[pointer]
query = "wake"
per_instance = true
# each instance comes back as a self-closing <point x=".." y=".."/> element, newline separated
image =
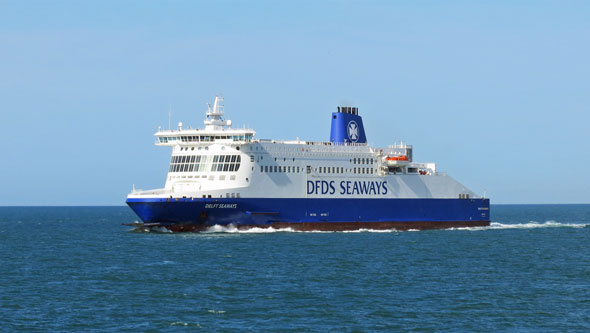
<point x="232" y="229"/>
<point x="530" y="225"/>
<point x="493" y="226"/>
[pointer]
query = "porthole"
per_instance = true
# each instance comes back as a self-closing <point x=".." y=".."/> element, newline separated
<point x="192" y="148"/>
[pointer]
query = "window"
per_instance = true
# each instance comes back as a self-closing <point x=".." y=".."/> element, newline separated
<point x="200" y="163"/>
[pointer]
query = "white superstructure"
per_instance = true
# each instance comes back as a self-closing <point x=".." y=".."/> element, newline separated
<point x="224" y="162"/>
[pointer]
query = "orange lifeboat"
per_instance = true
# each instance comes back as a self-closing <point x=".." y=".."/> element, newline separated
<point x="397" y="158"/>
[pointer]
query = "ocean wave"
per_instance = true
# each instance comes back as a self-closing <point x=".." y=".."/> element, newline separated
<point x="529" y="225"/>
<point x="160" y="230"/>
<point x="233" y="229"/>
<point x="365" y="230"/>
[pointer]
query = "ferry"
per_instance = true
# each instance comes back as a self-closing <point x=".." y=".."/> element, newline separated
<point x="225" y="176"/>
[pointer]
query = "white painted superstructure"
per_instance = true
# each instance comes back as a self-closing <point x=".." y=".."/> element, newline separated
<point x="224" y="162"/>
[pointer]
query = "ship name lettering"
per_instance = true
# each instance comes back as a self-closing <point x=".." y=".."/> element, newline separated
<point x="218" y="205"/>
<point x="347" y="187"/>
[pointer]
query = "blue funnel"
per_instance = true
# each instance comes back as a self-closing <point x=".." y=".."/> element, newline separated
<point x="347" y="126"/>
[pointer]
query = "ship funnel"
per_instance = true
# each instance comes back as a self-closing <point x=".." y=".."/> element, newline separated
<point x="347" y="126"/>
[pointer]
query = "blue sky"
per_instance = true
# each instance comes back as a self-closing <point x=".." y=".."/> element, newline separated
<point x="497" y="93"/>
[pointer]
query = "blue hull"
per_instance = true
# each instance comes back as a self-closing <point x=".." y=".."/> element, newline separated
<point x="185" y="214"/>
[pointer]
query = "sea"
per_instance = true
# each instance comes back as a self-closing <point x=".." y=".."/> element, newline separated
<point x="78" y="269"/>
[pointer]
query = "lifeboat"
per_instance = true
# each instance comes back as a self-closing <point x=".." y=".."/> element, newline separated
<point x="397" y="160"/>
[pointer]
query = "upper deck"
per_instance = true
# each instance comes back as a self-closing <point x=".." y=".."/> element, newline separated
<point x="219" y="131"/>
<point x="216" y="129"/>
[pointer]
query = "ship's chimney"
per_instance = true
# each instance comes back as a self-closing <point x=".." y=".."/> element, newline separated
<point x="347" y="126"/>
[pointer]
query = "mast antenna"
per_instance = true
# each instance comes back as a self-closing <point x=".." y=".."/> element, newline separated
<point x="169" y="115"/>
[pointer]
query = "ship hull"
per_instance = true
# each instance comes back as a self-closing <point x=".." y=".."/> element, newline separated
<point x="306" y="214"/>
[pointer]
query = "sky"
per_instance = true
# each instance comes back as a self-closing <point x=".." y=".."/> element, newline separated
<point x="497" y="93"/>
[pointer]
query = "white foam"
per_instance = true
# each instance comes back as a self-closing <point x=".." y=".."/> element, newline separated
<point x="530" y="225"/>
<point x="179" y="323"/>
<point x="367" y="230"/>
<point x="232" y="229"/>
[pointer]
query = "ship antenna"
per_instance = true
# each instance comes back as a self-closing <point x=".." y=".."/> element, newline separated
<point x="169" y="115"/>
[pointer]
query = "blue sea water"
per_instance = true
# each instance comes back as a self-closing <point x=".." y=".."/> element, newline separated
<point x="78" y="269"/>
